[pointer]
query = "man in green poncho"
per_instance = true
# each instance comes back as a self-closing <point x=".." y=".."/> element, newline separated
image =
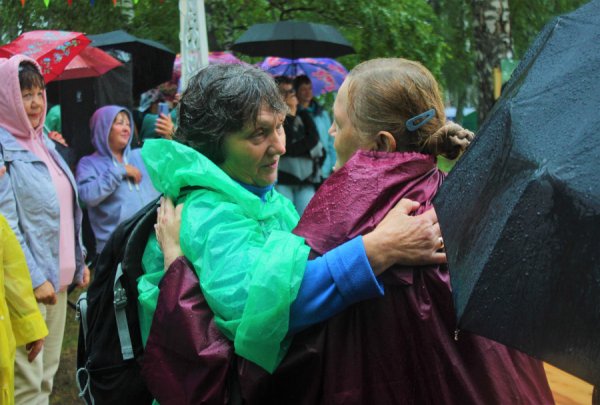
<point x="236" y="229"/>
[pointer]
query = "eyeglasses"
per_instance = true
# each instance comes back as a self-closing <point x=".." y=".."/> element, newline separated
<point x="287" y="93"/>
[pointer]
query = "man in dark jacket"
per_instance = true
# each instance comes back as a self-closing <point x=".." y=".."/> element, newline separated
<point x="300" y="167"/>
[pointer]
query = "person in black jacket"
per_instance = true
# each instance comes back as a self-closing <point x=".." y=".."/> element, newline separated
<point x="300" y="167"/>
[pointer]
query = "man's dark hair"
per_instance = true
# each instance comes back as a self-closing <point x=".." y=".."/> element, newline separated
<point x="284" y="80"/>
<point x="300" y="80"/>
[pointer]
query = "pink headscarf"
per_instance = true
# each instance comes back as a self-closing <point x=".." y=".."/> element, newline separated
<point x="13" y="117"/>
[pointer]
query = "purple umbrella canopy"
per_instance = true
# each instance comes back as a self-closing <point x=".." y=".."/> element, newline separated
<point x="326" y="74"/>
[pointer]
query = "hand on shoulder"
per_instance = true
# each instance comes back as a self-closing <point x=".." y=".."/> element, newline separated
<point x="404" y="239"/>
<point x="167" y="228"/>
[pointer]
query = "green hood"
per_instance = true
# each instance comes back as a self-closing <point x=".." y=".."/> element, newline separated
<point x="249" y="263"/>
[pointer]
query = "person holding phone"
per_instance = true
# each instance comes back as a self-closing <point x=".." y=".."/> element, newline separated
<point x="159" y="121"/>
<point x="165" y="126"/>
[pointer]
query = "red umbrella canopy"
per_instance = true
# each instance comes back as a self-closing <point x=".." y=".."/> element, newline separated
<point x="53" y="50"/>
<point x="91" y="62"/>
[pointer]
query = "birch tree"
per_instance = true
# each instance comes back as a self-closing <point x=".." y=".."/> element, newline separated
<point x="492" y="43"/>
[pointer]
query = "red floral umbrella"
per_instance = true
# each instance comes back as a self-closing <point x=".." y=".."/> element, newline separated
<point x="91" y="62"/>
<point x="53" y="50"/>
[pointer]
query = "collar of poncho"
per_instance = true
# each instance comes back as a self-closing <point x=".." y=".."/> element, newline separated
<point x="173" y="166"/>
<point x="355" y="198"/>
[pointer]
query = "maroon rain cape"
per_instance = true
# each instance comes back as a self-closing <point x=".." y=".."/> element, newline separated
<point x="399" y="349"/>
<point x="186" y="359"/>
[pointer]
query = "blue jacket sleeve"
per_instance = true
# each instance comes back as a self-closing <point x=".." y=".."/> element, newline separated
<point x="95" y="187"/>
<point x="331" y="283"/>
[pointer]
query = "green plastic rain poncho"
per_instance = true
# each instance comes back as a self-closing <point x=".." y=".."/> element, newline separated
<point x="249" y="263"/>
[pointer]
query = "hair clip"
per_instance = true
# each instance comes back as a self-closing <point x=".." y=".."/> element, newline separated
<point x="413" y="125"/>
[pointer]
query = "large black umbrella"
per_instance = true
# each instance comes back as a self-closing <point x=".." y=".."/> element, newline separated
<point x="520" y="213"/>
<point x="293" y="40"/>
<point x="152" y="61"/>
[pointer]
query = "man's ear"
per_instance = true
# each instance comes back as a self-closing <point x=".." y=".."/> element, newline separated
<point x="385" y="142"/>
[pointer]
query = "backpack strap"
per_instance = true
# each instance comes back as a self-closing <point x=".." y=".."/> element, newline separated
<point x="120" y="302"/>
<point x="81" y="314"/>
<point x="85" y="391"/>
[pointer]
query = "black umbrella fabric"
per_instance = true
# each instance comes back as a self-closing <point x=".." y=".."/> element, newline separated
<point x="152" y="61"/>
<point x="520" y="212"/>
<point x="293" y="40"/>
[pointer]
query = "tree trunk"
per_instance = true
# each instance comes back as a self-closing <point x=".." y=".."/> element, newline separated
<point x="491" y="32"/>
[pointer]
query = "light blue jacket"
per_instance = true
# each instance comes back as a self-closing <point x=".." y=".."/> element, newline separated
<point x="323" y="123"/>
<point x="29" y="202"/>
<point x="110" y="197"/>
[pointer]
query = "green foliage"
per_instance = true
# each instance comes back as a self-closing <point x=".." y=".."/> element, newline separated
<point x="459" y="66"/>
<point x="81" y="17"/>
<point x="157" y="21"/>
<point x="376" y="28"/>
<point x="404" y="29"/>
<point x="438" y="33"/>
<point x="528" y="17"/>
<point x="227" y="19"/>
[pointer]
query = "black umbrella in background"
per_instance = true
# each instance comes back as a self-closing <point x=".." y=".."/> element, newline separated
<point x="520" y="213"/>
<point x="152" y="61"/>
<point x="293" y="40"/>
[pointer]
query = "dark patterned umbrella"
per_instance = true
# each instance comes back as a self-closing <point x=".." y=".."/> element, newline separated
<point x="520" y="212"/>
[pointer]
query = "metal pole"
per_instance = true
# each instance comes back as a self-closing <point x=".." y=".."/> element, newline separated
<point x="193" y="38"/>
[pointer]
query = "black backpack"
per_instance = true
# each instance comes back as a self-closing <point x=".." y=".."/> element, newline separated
<point x="110" y="345"/>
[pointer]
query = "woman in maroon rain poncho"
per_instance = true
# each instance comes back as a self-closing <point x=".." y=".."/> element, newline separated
<point x="403" y="348"/>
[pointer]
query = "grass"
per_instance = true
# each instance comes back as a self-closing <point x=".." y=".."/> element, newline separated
<point x="65" y="389"/>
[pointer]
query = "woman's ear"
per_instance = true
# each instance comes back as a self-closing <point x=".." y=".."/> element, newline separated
<point x="385" y="142"/>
